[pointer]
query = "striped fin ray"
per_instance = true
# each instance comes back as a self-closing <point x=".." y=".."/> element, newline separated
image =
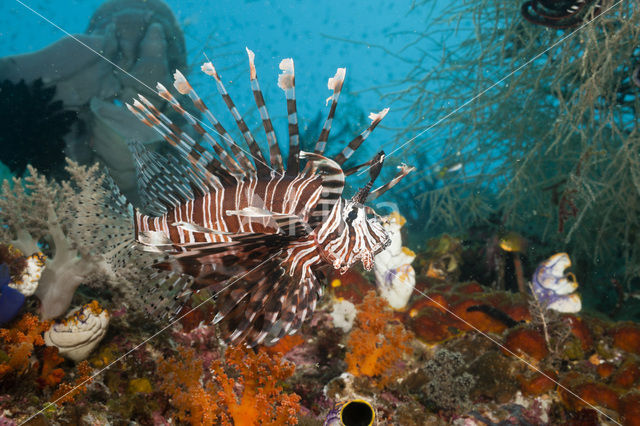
<point x="163" y="181"/>
<point x="183" y="87"/>
<point x="260" y="162"/>
<point x="287" y="82"/>
<point x="202" y="160"/>
<point x="357" y="141"/>
<point x="197" y="151"/>
<point x="164" y="292"/>
<point x="335" y="83"/>
<point x="274" y="150"/>
<point x="404" y="170"/>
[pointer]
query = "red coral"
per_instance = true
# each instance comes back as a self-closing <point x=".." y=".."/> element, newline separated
<point x="285" y="344"/>
<point x="539" y="383"/>
<point x="631" y="409"/>
<point x="376" y="344"/>
<point x="351" y="286"/>
<point x="589" y="392"/>
<point x="252" y="396"/>
<point x="581" y="331"/>
<point x="627" y="375"/>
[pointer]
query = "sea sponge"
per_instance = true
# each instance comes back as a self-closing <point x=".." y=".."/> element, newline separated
<point x="626" y="336"/>
<point x="80" y="332"/>
<point x="448" y="388"/>
<point x="526" y="341"/>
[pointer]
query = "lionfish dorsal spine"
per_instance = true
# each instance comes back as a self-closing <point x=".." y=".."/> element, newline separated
<point x="261" y="165"/>
<point x="287" y="82"/>
<point x="274" y="150"/>
<point x="335" y="83"/>
<point x="348" y="151"/>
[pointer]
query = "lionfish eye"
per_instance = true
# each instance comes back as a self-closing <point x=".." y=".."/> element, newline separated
<point x="352" y="215"/>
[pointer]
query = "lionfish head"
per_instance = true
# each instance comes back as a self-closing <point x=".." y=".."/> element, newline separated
<point x="367" y="235"/>
<point x="359" y="235"/>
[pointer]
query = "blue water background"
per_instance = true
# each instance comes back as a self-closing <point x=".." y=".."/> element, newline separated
<point x="362" y="36"/>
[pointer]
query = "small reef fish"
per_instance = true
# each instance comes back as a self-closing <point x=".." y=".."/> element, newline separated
<point x="258" y="233"/>
<point x="443" y="172"/>
<point x="513" y="242"/>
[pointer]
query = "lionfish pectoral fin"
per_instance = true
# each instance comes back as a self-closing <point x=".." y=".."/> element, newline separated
<point x="154" y="238"/>
<point x="288" y="224"/>
<point x="250" y="212"/>
<point x="292" y="225"/>
<point x="192" y="227"/>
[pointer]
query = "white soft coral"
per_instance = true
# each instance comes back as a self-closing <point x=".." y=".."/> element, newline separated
<point x="36" y="210"/>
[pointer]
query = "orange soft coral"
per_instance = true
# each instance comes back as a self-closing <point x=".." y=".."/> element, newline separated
<point x="50" y="375"/>
<point x="376" y="344"/>
<point x="18" y="342"/>
<point x="67" y="392"/>
<point x="251" y="396"/>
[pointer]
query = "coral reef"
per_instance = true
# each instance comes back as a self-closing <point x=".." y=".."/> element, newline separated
<point x="82" y="231"/>
<point x="18" y="343"/>
<point x="447" y="388"/>
<point x="250" y="396"/>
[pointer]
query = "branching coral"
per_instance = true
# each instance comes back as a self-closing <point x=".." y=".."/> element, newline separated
<point x="68" y="391"/>
<point x="376" y="344"/>
<point x="252" y="395"/>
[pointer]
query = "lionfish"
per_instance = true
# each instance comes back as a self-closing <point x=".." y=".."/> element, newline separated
<point x="260" y="235"/>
